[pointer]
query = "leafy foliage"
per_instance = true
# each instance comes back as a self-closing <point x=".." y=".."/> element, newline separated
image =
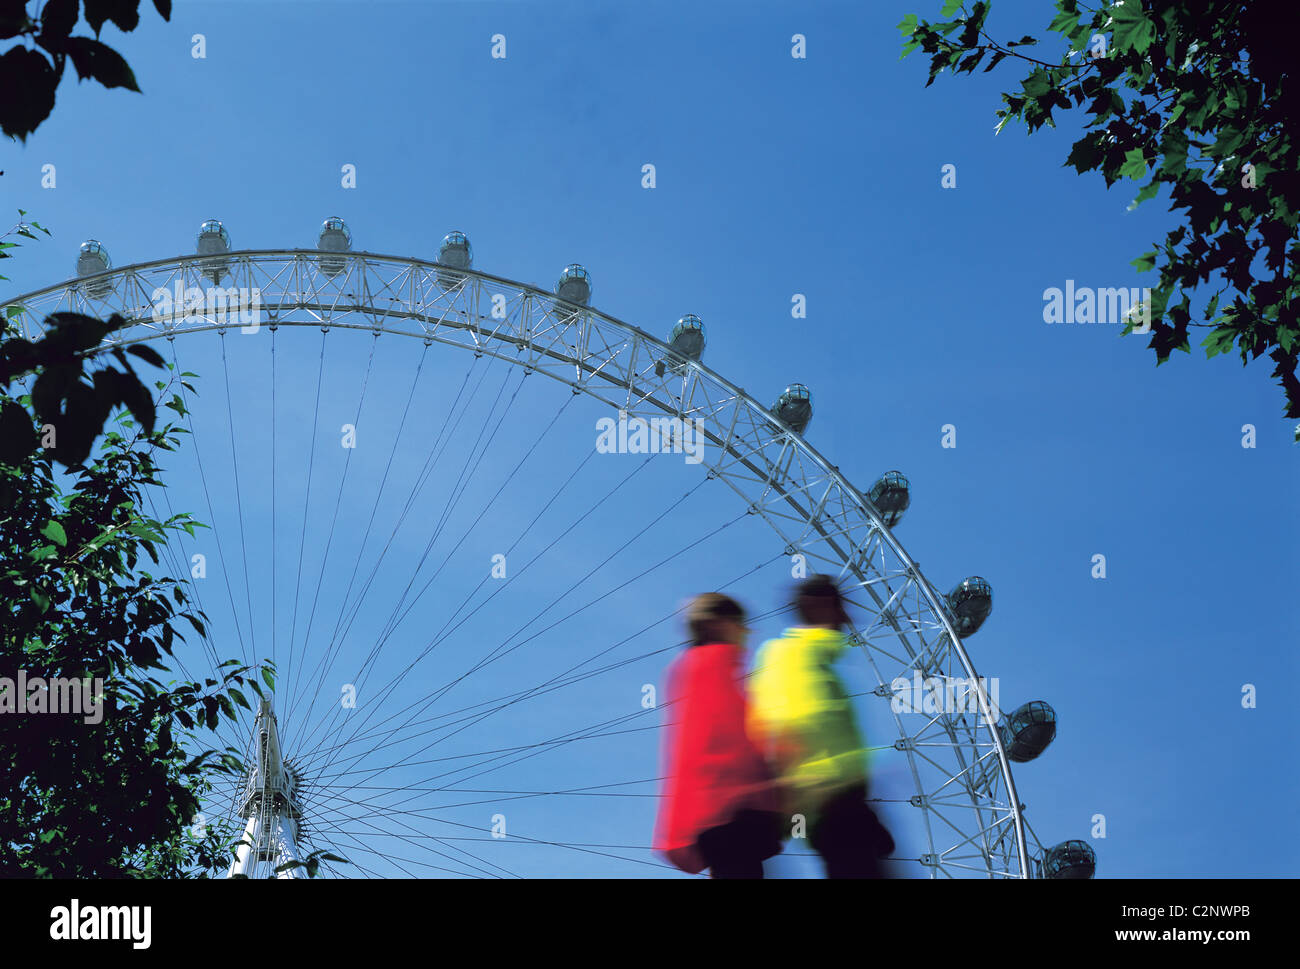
<point x="113" y="798"/>
<point x="1198" y="99"/>
<point x="29" y="77"/>
<point x="23" y="229"/>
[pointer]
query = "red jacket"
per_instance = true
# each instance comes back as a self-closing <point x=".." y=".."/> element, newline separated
<point x="711" y="768"/>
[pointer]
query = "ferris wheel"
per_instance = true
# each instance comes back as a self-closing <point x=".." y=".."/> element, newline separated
<point x="359" y="539"/>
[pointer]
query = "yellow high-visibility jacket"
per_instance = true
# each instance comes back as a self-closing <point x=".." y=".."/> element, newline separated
<point x="803" y="720"/>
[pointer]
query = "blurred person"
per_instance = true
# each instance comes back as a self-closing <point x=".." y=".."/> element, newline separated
<point x="803" y="720"/>
<point x="719" y="808"/>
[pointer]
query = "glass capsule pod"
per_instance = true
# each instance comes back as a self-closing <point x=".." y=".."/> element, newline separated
<point x="92" y="259"/>
<point x="574" y="285"/>
<point x="335" y="237"/>
<point x="892" y="496"/>
<point x="969" y="604"/>
<point x="794" y="407"/>
<point x="454" y="253"/>
<point x="213" y="243"/>
<point x="687" y="341"/>
<point x="1028" y="730"/>
<point x="1070" y="859"/>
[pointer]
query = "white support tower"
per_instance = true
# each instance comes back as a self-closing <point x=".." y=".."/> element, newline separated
<point x="269" y="804"/>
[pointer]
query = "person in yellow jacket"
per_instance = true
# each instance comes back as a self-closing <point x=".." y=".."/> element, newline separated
<point x="803" y="720"/>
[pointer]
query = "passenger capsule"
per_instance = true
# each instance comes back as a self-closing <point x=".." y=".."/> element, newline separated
<point x="214" y="242"/>
<point x="1070" y="859"/>
<point x="687" y="340"/>
<point x="794" y="407"/>
<point x="969" y="604"/>
<point x="92" y="259"/>
<point x="891" y="496"/>
<point x="334" y="237"/>
<point x="456" y="253"/>
<point x="1027" y="732"/>
<point x="574" y="285"/>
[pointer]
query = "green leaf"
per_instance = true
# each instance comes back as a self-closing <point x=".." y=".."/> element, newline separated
<point x="141" y="530"/>
<point x="1135" y="164"/>
<point x="1219" y="340"/>
<point x="1145" y="261"/>
<point x="1149" y="191"/>
<point x="1133" y="31"/>
<point x="1037" y="84"/>
<point x="55" y="533"/>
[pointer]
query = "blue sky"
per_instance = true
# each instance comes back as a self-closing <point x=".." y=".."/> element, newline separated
<point x="775" y="176"/>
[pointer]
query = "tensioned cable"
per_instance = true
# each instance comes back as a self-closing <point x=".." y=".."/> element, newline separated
<point x="216" y="532"/>
<point x="441" y="636"/>
<point x="546" y="687"/>
<point x="338" y="503"/>
<point x="409" y="839"/>
<point x="274" y="504"/>
<point x="373" y="512"/>
<point x="306" y="506"/>
<point x="435" y="452"/>
<point x="239" y="500"/>
<point x="452" y="499"/>
<point x="542" y="747"/>
<point x="558" y="844"/>
<point x="537" y="440"/>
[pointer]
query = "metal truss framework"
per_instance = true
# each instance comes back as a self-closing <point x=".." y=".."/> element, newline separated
<point x="973" y="820"/>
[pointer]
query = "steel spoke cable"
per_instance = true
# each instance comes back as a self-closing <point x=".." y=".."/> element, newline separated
<point x="216" y="532"/>
<point x="384" y="692"/>
<point x="585" y="733"/>
<point x="517" y="838"/>
<point x="551" y="683"/>
<point x="535" y="691"/>
<point x="239" y="498"/>
<point x="452" y="501"/>
<point x="500" y="655"/>
<point x="415" y="844"/>
<point x="392" y="859"/>
<point x="500" y="651"/>
<point x="306" y="507"/>
<point x="541" y="841"/>
<point x="545" y="687"/>
<point x="355" y="845"/>
<point x="536" y="442"/>
<point x="421" y="479"/>
<point x="542" y="747"/>
<point x="378" y="496"/>
<point x="338" y="503"/>
<point x="274" y="504"/>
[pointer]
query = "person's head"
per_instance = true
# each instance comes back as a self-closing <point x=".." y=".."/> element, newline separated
<point x="715" y="618"/>
<point x="818" y="602"/>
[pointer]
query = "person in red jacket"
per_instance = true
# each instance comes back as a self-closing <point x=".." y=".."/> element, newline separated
<point x="719" y="804"/>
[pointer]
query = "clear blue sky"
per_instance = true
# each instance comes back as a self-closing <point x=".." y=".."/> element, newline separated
<point x="775" y="176"/>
